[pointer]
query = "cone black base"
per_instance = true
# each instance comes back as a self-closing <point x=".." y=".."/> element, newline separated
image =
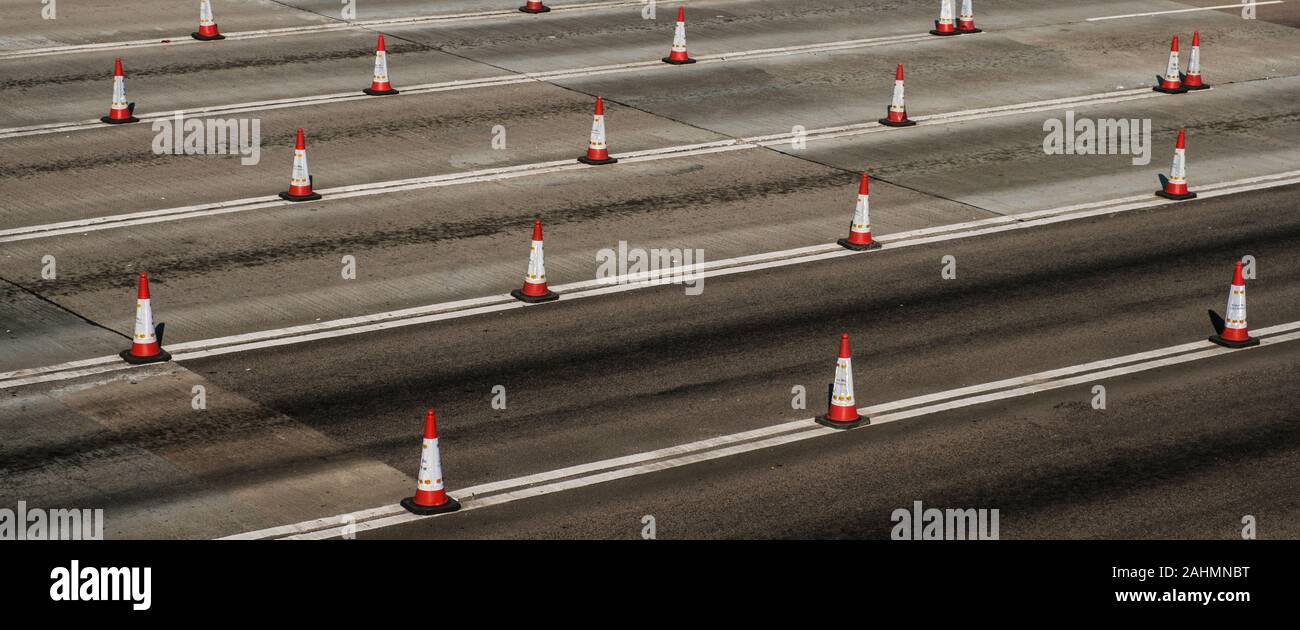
<point x="1183" y="197"/>
<point x="889" y="123"/>
<point x="287" y="197"/>
<point x="1193" y="88"/>
<point x="586" y="160"/>
<point x="1166" y="90"/>
<point x="374" y="92"/>
<point x="1250" y="341"/>
<point x="207" y="38"/>
<point x="544" y="9"/>
<point x="678" y="62"/>
<point x="118" y="121"/>
<point x="858" y="247"/>
<point x="969" y="31"/>
<point x="943" y="34"/>
<point x="162" y="356"/>
<point x="550" y="296"/>
<point x="424" y="510"/>
<point x="827" y="422"/>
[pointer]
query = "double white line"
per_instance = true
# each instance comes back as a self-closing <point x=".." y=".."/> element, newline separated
<point x="80" y="226"/>
<point x="592" y="288"/>
<point x="466" y="84"/>
<point x="572" y="477"/>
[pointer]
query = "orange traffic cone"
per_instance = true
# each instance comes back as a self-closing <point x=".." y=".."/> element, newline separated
<point x="207" y="25"/>
<point x="860" y="230"/>
<point x="1192" y="80"/>
<point x="145" y="347"/>
<point x="430" y="497"/>
<point x="1176" y="185"/>
<point x="379" y="85"/>
<point x="597" y="151"/>
<point x="843" y="411"/>
<point x="1234" y="333"/>
<point x="300" y="181"/>
<point x="534" y="6"/>
<point x="945" y="24"/>
<point x="1171" y="83"/>
<point x="966" y="19"/>
<point x="535" y="290"/>
<point x="120" y="111"/>
<point x="897" y="114"/>
<point x="677" y="54"/>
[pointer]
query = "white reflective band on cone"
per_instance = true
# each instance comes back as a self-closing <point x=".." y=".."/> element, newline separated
<point x="536" y="265"/>
<point x="861" y="218"/>
<point x="144" y="322"/>
<point x="430" y="466"/>
<point x="842" y="392"/>
<point x="598" y="132"/>
<point x="1235" y="317"/>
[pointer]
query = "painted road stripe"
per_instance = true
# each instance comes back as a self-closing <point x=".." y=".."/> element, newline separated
<point x="629" y="282"/>
<point x="1239" y="5"/>
<point x="465" y="84"/>
<point x="776" y="435"/>
<point x="308" y="30"/>
<point x="81" y="226"/>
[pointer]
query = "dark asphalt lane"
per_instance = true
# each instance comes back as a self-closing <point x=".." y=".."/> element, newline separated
<point x="636" y="371"/>
<point x="1178" y="453"/>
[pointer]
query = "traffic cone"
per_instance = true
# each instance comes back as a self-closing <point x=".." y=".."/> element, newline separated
<point x="966" y="19"/>
<point x="120" y="111"/>
<point x="1234" y="333"/>
<point x="897" y="114"/>
<point x="1176" y="185"/>
<point x="430" y="497"/>
<point x="379" y="85"/>
<point x="534" y="6"/>
<point x="860" y="230"/>
<point x="1192" y="80"/>
<point x="144" y="340"/>
<point x="677" y="55"/>
<point x="535" y="290"/>
<point x="1171" y="83"/>
<point x="207" y="25"/>
<point x="597" y="152"/>
<point x="843" y="411"/>
<point x="945" y="25"/>
<point x="300" y="182"/>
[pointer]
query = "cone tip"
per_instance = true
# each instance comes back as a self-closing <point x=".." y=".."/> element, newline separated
<point x="1173" y="47"/>
<point x="600" y="106"/>
<point x="681" y="13"/>
<point x="430" y="425"/>
<point x="537" y="230"/>
<point x="864" y="184"/>
<point x="142" y="289"/>
<point x="1237" y="277"/>
<point x="381" y="42"/>
<point x="844" y="346"/>
<point x="898" y="73"/>
<point x="1182" y="139"/>
<point x="300" y="142"/>
<point x="1196" y="38"/>
<point x="117" y="67"/>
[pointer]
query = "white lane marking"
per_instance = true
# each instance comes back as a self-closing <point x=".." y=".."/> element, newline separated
<point x="185" y="39"/>
<point x="794" y="431"/>
<point x="464" y="84"/>
<point x="591" y="288"/>
<point x="81" y="226"/>
<point x="497" y="486"/>
<point x="1150" y="13"/>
